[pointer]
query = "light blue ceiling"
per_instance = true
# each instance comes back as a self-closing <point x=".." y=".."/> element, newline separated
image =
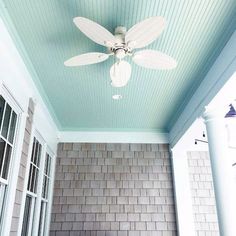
<point x="80" y="98"/>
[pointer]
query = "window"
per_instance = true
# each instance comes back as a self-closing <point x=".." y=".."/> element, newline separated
<point x="31" y="188"/>
<point x="46" y="177"/>
<point x="8" y="119"/>
<point x="44" y="201"/>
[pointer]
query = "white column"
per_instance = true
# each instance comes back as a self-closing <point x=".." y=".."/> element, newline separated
<point x="222" y="171"/>
<point x="183" y="197"/>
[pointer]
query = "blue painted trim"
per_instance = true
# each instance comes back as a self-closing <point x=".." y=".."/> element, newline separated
<point x="218" y="75"/>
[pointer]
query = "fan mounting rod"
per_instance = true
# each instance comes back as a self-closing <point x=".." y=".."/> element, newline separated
<point x="120" y="30"/>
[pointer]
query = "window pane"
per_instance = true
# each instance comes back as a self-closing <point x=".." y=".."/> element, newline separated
<point x="33" y="150"/>
<point x="26" y="219"/>
<point x="30" y="178"/>
<point x="2" y="148"/>
<point x="49" y="165"/>
<point x="2" y="104"/>
<point x="12" y="127"/>
<point x="39" y="154"/>
<point x="33" y="175"/>
<point x="36" y="180"/>
<point x="6" y="162"/>
<point x="33" y="179"/>
<point x="43" y="189"/>
<point x="2" y="197"/>
<point x="46" y="165"/>
<point x="42" y="218"/>
<point x="44" y="186"/>
<point x="6" y="121"/>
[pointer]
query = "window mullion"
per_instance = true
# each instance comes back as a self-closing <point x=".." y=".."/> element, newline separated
<point x="31" y="194"/>
<point x="3" y="181"/>
<point x="5" y="140"/>
<point x="9" y="126"/>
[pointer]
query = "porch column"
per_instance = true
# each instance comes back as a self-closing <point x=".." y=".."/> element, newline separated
<point x="222" y="171"/>
<point x="183" y="197"/>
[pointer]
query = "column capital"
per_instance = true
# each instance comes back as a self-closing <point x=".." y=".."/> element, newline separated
<point x="211" y="113"/>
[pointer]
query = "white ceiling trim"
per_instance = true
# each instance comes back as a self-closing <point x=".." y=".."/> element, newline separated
<point x="113" y="137"/>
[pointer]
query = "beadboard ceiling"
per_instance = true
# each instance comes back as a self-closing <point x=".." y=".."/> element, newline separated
<point x="80" y="98"/>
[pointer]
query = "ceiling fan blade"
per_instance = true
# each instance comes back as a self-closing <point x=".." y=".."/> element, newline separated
<point x="86" y="59"/>
<point x="154" y="60"/>
<point x="94" y="31"/>
<point x="145" y="32"/>
<point x="120" y="73"/>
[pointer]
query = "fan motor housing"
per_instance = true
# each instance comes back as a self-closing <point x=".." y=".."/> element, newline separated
<point x="120" y="49"/>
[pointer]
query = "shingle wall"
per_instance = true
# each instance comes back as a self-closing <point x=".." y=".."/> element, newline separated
<point x="113" y="190"/>
<point x="203" y="197"/>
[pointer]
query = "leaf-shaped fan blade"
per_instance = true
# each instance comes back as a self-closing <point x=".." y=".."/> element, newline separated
<point x="120" y="73"/>
<point x="86" y="59"/>
<point x="154" y="60"/>
<point x="94" y="31"/>
<point x="145" y="32"/>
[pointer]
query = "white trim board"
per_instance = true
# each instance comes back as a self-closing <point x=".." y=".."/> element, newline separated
<point x="113" y="137"/>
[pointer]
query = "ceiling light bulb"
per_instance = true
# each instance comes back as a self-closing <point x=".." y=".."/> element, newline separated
<point x="120" y="73"/>
<point x="120" y="53"/>
<point x="117" y="97"/>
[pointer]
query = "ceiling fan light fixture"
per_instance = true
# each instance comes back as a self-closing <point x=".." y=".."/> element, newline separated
<point x="117" y="97"/>
<point x="122" y="44"/>
<point x="120" y="73"/>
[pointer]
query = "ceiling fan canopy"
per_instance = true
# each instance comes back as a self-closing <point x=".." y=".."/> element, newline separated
<point x="122" y="44"/>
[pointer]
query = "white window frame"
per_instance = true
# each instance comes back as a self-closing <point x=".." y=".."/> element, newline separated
<point x="26" y="179"/>
<point x="50" y="192"/>
<point x="15" y="158"/>
<point x="48" y="200"/>
<point x="35" y="196"/>
<point x="35" y="216"/>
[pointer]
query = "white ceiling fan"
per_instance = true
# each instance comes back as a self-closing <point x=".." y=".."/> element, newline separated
<point x="123" y="44"/>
